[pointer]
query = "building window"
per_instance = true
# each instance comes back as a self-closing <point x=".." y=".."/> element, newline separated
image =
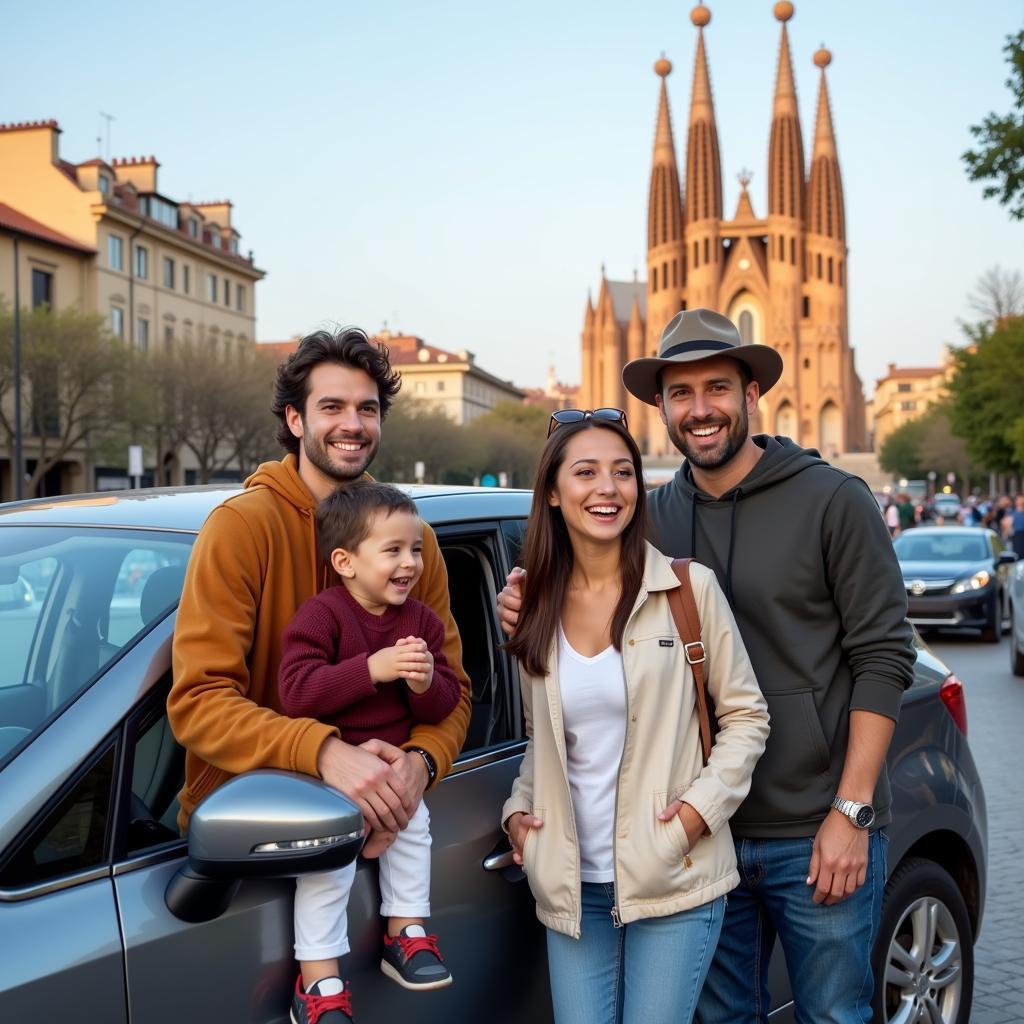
<point x="186" y="278"/>
<point x="193" y="227"/>
<point x="215" y="240"/>
<point x="908" y="406"/>
<point x="142" y="333"/>
<point x="240" y="298"/>
<point x="211" y="287"/>
<point x="746" y="327"/>
<point x="104" y="185"/>
<point x="234" y="245"/>
<point x="159" y="210"/>
<point x="675" y="273"/>
<point x="819" y="266"/>
<point x="807" y="364"/>
<point x="227" y="292"/>
<point x="696" y="255"/>
<point x="168" y="336"/>
<point x="830" y="270"/>
<point x="168" y="272"/>
<point x="440" y="385"/>
<point x="117" y="321"/>
<point x="840" y="273"/>
<point x="807" y="307"/>
<point x="654" y="279"/>
<point x="42" y="289"/>
<point x="904" y="387"/>
<point x="792" y="251"/>
<point x="141" y="262"/>
<point x="115" y="252"/>
<point x="707" y="250"/>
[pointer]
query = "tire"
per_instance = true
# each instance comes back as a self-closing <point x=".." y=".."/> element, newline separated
<point x="1016" y="654"/>
<point x="941" y="981"/>
<point x="994" y="630"/>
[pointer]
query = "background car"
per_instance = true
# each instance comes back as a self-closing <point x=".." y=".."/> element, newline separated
<point x="102" y="903"/>
<point x="947" y="506"/>
<point x="956" y="578"/>
<point x="1016" y="600"/>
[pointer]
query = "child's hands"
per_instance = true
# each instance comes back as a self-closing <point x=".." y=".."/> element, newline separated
<point x="409" y="659"/>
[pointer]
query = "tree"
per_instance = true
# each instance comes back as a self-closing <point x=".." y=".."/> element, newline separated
<point x="901" y="451"/>
<point x="509" y="439"/>
<point x="72" y="370"/>
<point x="986" y="408"/>
<point x="415" y="433"/>
<point x="998" y="294"/>
<point x="1000" y="156"/>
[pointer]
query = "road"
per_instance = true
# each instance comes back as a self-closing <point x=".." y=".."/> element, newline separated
<point x="995" y="729"/>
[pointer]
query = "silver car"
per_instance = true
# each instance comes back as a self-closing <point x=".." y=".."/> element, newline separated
<point x="108" y="915"/>
<point x="1015" y="593"/>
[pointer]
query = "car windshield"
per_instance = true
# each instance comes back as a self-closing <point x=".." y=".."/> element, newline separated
<point x="70" y="601"/>
<point x="949" y="547"/>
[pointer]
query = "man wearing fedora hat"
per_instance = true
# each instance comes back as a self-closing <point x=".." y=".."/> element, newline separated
<point x="807" y="564"/>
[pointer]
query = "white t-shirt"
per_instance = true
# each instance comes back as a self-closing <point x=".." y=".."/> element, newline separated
<point x="593" y="694"/>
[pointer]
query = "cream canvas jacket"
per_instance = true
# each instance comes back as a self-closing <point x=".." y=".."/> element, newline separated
<point x="656" y="871"/>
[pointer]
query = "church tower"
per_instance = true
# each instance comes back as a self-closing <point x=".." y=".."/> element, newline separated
<point x="781" y="278"/>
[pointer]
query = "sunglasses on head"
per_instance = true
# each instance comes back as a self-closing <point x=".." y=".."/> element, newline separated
<point x="563" y="416"/>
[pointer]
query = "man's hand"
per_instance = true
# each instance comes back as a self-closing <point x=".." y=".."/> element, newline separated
<point x="377" y="842"/>
<point x="408" y="657"/>
<point x="839" y="859"/>
<point x="410" y="769"/>
<point x="368" y="776"/>
<point x="519" y="825"/>
<point x="689" y="817"/>
<point x="510" y="601"/>
<point x="417" y="653"/>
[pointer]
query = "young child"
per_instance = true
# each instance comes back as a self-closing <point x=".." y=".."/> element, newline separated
<point x="365" y="657"/>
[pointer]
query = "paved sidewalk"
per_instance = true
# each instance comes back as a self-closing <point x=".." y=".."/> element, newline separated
<point x="995" y="717"/>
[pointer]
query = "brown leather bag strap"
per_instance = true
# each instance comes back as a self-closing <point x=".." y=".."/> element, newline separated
<point x="687" y="619"/>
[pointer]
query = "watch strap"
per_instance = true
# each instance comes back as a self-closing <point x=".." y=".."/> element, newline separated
<point x="429" y="762"/>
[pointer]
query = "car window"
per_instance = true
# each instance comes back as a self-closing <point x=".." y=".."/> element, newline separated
<point x="75" y="599"/>
<point x="72" y="836"/>
<point x="952" y="547"/>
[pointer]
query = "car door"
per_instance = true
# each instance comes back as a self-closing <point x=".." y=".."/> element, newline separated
<point x="482" y="909"/>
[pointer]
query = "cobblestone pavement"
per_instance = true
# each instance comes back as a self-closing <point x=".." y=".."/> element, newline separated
<point x="995" y="728"/>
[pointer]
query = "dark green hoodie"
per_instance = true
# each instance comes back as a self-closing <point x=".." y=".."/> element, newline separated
<point x="804" y="557"/>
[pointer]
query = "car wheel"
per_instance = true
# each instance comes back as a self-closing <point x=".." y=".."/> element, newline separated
<point x="1016" y="654"/>
<point x="994" y="630"/>
<point x="924" y="955"/>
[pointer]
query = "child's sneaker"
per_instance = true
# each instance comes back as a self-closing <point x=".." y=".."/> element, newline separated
<point x="414" y="961"/>
<point x="326" y="1002"/>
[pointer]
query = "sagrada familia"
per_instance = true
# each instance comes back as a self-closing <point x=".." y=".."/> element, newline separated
<point x="782" y="278"/>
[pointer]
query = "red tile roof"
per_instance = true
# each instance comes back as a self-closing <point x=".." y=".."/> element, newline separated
<point x="22" y="224"/>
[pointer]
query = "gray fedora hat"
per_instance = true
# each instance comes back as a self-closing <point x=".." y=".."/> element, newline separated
<point x="691" y="336"/>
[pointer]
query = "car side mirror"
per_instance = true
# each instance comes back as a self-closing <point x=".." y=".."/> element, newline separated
<point x="1007" y="557"/>
<point x="264" y="823"/>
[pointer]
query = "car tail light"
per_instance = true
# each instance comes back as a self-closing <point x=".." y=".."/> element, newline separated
<point x="952" y="693"/>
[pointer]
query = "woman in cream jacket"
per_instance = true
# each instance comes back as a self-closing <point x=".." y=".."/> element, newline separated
<point x="621" y="828"/>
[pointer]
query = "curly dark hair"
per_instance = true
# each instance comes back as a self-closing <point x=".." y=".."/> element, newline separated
<point x="347" y="346"/>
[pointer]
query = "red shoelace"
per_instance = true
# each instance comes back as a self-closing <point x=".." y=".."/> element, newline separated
<point x="317" y="1006"/>
<point x="413" y="944"/>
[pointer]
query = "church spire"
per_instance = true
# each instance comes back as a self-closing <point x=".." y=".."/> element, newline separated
<point x="786" y="148"/>
<point x="703" y="161"/>
<point x="664" y="206"/>
<point x="825" y="213"/>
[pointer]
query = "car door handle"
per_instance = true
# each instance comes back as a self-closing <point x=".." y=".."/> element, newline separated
<point x="499" y="861"/>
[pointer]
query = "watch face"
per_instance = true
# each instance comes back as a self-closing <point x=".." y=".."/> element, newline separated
<point x="864" y="817"/>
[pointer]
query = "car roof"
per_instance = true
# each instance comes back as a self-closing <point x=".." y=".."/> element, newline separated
<point x="186" y="508"/>
<point x="981" y="531"/>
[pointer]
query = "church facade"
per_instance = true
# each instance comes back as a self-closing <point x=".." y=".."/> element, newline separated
<point x="782" y="277"/>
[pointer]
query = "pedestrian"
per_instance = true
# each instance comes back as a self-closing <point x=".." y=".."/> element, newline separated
<point x="621" y="826"/>
<point x="892" y="517"/>
<point x="907" y="513"/>
<point x="253" y="564"/>
<point x="811" y="576"/>
<point x="1015" y="530"/>
<point x="366" y="658"/>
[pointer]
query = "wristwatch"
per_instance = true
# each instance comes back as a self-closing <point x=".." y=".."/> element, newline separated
<point x="862" y="815"/>
<point x="429" y="761"/>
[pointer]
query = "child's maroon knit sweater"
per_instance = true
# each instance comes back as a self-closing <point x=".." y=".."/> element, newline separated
<point x="324" y="674"/>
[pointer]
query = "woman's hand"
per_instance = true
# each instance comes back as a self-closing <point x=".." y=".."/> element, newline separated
<point x="693" y="824"/>
<point x="519" y="825"/>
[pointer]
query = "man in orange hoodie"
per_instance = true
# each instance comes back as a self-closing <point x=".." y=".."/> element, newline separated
<point x="255" y="561"/>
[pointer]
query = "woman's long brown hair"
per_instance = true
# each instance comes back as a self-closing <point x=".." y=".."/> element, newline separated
<point x="548" y="554"/>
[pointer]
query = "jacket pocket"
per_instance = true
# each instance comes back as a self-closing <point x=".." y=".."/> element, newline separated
<point x="530" y="842"/>
<point x="674" y="840"/>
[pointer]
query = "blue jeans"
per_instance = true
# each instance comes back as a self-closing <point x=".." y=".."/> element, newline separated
<point x="827" y="949"/>
<point x="646" y="972"/>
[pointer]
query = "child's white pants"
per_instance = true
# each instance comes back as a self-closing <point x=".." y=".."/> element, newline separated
<point x="321" y="900"/>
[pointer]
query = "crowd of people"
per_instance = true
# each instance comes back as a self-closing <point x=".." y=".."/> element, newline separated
<point x="708" y="697"/>
<point x="1003" y="514"/>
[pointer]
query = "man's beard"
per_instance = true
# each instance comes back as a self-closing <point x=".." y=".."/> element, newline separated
<point x="735" y="435"/>
<point x="318" y="454"/>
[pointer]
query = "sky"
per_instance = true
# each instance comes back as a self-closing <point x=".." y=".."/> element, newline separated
<point x="461" y="170"/>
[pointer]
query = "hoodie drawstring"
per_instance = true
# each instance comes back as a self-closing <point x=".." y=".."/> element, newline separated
<point x="732" y="539"/>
